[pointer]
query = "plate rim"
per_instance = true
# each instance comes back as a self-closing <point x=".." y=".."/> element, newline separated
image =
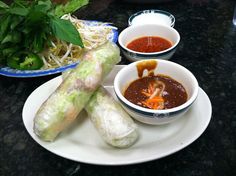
<point x="131" y="161"/>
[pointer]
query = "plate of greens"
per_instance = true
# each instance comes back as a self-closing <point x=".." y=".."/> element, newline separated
<point x="37" y="39"/>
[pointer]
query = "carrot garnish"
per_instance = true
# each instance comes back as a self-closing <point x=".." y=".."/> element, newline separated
<point x="154" y="103"/>
<point x="154" y="94"/>
<point x="155" y="100"/>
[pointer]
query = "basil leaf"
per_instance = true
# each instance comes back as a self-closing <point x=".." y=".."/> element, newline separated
<point x="39" y="42"/>
<point x="3" y="5"/>
<point x="16" y="20"/>
<point x="44" y="5"/>
<point x="4" y="27"/>
<point x="69" y="7"/>
<point x="30" y="26"/>
<point x="14" y="37"/>
<point x="2" y="11"/>
<point x="65" y="30"/>
<point x="10" y="50"/>
<point x="34" y="17"/>
<point x="19" y="11"/>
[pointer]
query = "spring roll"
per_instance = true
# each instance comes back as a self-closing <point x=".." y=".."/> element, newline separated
<point x="113" y="124"/>
<point x="63" y="106"/>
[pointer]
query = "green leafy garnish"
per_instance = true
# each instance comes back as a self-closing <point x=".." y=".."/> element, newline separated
<point x="69" y="7"/>
<point x="64" y="31"/>
<point x="29" y="26"/>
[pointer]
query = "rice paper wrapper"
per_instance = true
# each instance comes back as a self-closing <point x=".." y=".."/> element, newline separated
<point x="113" y="124"/>
<point x="64" y="105"/>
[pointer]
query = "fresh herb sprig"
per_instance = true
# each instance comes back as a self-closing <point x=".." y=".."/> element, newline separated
<point x="29" y="27"/>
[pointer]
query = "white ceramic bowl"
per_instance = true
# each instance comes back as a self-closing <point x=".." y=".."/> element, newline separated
<point x="152" y="16"/>
<point x="135" y="31"/>
<point x="179" y="73"/>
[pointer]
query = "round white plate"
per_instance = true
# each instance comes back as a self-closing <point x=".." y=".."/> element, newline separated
<point x="82" y="142"/>
<point x="10" y="72"/>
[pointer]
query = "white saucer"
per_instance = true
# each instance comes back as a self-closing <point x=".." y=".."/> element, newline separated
<point x="82" y="142"/>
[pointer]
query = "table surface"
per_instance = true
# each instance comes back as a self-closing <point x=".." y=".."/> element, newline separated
<point x="207" y="48"/>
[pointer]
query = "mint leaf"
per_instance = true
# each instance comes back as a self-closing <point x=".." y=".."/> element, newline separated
<point x="66" y="31"/>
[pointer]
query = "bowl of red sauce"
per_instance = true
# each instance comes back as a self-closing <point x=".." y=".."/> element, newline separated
<point x="148" y="41"/>
<point x="156" y="91"/>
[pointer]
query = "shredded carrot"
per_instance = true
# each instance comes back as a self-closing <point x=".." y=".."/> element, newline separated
<point x="153" y="101"/>
<point x="155" y="106"/>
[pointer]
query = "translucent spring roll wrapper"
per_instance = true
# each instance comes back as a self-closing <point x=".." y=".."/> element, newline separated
<point x="63" y="106"/>
<point x="113" y="124"/>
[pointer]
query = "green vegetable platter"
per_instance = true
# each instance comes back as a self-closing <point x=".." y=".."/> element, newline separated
<point x="29" y="29"/>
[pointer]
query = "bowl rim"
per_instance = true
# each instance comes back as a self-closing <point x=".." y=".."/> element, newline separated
<point x="146" y="110"/>
<point x="147" y="11"/>
<point x="152" y="53"/>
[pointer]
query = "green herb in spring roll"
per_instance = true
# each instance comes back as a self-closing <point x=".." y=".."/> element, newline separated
<point x="114" y="125"/>
<point x="63" y="106"/>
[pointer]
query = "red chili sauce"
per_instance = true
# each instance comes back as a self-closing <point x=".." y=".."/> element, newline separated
<point x="149" y="44"/>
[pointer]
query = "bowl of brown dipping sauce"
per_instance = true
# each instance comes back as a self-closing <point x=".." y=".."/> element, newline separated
<point x="148" y="41"/>
<point x="155" y="91"/>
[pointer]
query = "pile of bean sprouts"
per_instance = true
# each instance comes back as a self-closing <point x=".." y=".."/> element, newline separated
<point x="63" y="53"/>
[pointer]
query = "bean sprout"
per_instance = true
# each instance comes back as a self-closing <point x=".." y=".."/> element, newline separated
<point x="62" y="53"/>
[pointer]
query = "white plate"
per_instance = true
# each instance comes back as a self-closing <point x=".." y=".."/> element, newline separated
<point x="82" y="142"/>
